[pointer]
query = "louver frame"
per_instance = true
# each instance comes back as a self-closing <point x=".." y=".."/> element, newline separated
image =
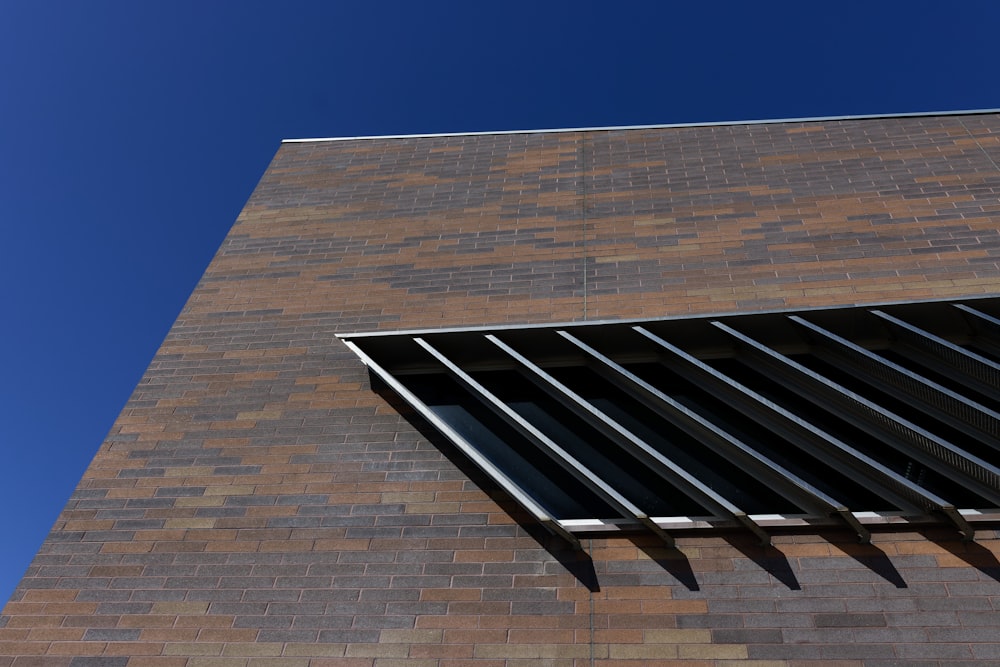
<point x="861" y="416"/>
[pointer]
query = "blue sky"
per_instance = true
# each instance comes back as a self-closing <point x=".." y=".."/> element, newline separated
<point x="132" y="133"/>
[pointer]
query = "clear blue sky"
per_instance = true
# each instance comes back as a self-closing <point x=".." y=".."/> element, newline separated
<point x="131" y="133"/>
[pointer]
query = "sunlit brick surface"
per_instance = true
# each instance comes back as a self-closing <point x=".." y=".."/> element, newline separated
<point x="256" y="504"/>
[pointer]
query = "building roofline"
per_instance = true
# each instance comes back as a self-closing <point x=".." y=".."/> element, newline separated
<point x="810" y="119"/>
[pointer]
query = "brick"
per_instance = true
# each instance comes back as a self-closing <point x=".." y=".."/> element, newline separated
<point x="410" y="636"/>
<point x="671" y="636"/>
<point x="849" y="620"/>
<point x="711" y="652"/>
<point x="642" y="651"/>
<point x="193" y="649"/>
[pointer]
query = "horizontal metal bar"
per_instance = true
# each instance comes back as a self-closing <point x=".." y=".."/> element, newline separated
<point x="511" y="488"/>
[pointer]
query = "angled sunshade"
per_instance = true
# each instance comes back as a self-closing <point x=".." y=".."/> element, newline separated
<point x="859" y="416"/>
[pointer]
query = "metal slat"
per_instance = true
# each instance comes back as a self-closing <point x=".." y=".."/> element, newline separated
<point x="785" y="482"/>
<point x="973" y="419"/>
<point x="546" y="445"/>
<point x="828" y="395"/>
<point x="946" y="357"/>
<point x="634" y="445"/>
<point x="929" y="449"/>
<point x="511" y="488"/>
<point x="986" y="327"/>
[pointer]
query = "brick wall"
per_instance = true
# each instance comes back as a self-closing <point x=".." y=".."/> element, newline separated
<point x="256" y="504"/>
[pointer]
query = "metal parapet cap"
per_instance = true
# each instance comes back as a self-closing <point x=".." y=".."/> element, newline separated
<point x="664" y="126"/>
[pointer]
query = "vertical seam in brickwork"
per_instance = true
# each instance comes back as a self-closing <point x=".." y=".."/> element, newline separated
<point x="583" y="214"/>
<point x="978" y="145"/>
<point x="590" y="595"/>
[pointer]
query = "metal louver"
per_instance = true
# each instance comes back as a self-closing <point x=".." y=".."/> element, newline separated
<point x="859" y="416"/>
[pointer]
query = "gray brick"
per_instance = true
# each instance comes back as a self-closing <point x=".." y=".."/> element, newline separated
<point x="838" y="590"/>
<point x="179" y="491"/>
<point x="152" y="595"/>
<point x="243" y="583"/>
<point x="416" y="608"/>
<point x="746" y="636"/>
<point x="936" y="651"/>
<point x="811" y="605"/>
<point x="533" y="607"/>
<point x="818" y="635"/>
<point x="116" y="608"/>
<point x="73" y="582"/>
<point x="90" y="621"/>
<point x="331" y="595"/>
<point x="941" y="574"/>
<point x="385" y="595"/>
<point x="101" y="661"/>
<point x="323" y="622"/>
<point x="384" y="621"/>
<point x="778" y="620"/>
<point x="710" y="621"/>
<point x="986" y="651"/>
<point x="313" y="582"/>
<point x="923" y="619"/>
<point x="974" y="589"/>
<point x="846" y="620"/>
<point x="238" y="608"/>
<point x="289" y="636"/>
<point x="189" y="583"/>
<point x="889" y="635"/>
<point x="296" y="608"/>
<point x="356" y="636"/>
<point x="752" y="607"/>
<point x="881" y="604"/>
<point x="507" y="593"/>
<point x="263" y="622"/>
<point x="954" y="604"/>
<point x="99" y="595"/>
<point x="980" y="635"/>
<point x="979" y="618"/>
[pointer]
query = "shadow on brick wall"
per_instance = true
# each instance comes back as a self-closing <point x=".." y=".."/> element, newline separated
<point x="577" y="562"/>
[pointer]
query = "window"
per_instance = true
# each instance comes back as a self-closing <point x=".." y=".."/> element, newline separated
<point x="859" y="416"/>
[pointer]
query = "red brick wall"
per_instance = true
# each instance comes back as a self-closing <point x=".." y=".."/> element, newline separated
<point x="257" y="504"/>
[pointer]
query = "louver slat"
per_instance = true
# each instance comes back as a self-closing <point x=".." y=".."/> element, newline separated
<point x="947" y="358"/>
<point x="960" y="412"/>
<point x="787" y="483"/>
<point x="519" y="495"/>
<point x="828" y="394"/>
<point x="549" y="447"/>
<point x="742" y="399"/>
<point x="986" y="326"/>
<point x="635" y="446"/>
<point x="928" y="448"/>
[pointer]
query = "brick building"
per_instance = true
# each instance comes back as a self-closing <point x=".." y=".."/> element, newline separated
<point x="264" y="499"/>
